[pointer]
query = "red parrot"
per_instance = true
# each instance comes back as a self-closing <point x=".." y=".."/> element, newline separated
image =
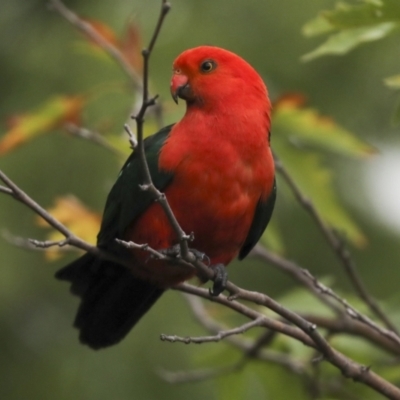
<point x="216" y="169"/>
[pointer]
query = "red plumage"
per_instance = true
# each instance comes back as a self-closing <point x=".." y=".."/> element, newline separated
<point x="216" y="169"/>
<point x="221" y="160"/>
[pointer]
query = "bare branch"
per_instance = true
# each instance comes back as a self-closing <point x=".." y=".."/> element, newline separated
<point x="307" y="331"/>
<point x="132" y="139"/>
<point x="148" y="184"/>
<point x="322" y="292"/>
<point x="296" y="272"/>
<point x="30" y="244"/>
<point x="288" y="322"/>
<point x="251" y="348"/>
<point x="178" y="262"/>
<point x="338" y="247"/>
<point x="215" y="338"/>
<point x="355" y="328"/>
<point x="107" y="46"/>
<point x="6" y="190"/>
<point x="90" y="135"/>
<point x="48" y="243"/>
<point x="351" y="311"/>
<point x="71" y="239"/>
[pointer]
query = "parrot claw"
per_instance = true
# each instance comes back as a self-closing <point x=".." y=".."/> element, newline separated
<point x="175" y="252"/>
<point x="220" y="280"/>
<point x="200" y="255"/>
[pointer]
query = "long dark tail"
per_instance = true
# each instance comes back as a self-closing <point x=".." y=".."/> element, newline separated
<point x="113" y="300"/>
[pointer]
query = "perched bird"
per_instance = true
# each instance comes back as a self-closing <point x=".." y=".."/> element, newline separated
<point x="216" y="169"/>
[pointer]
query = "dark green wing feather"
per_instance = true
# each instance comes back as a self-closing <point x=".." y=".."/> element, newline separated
<point x="260" y="221"/>
<point x="126" y="200"/>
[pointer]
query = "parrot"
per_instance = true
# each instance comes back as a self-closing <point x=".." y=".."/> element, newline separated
<point x="216" y="169"/>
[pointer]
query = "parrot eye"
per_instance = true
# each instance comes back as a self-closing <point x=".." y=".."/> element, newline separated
<point x="208" y="66"/>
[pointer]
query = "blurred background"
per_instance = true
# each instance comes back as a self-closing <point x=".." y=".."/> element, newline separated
<point x="40" y="57"/>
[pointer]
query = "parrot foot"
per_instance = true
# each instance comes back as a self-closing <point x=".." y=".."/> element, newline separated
<point x="220" y="273"/>
<point x="220" y="279"/>
<point x="175" y="252"/>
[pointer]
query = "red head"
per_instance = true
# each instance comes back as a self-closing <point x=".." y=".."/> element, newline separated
<point x="211" y="77"/>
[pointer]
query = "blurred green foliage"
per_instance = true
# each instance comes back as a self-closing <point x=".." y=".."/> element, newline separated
<point x="42" y="56"/>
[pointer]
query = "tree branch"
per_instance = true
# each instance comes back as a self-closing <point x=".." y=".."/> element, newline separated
<point x="70" y="239"/>
<point x="92" y="136"/>
<point x="107" y="46"/>
<point x="214" y="338"/>
<point x="295" y="272"/>
<point x="307" y="331"/>
<point x="292" y="325"/>
<point x="338" y="247"/>
<point x="148" y="184"/>
<point x="323" y="292"/>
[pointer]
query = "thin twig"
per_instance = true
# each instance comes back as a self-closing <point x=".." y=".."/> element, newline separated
<point x="296" y="272"/>
<point x="352" y="311"/>
<point x="297" y="327"/>
<point x="214" y="338"/>
<point x="92" y="136"/>
<point x="322" y="291"/>
<point x="132" y="139"/>
<point x="31" y="244"/>
<point x="251" y="348"/>
<point x="6" y="190"/>
<point x="338" y="247"/>
<point x="355" y="328"/>
<point x="107" y="46"/>
<point x="148" y="184"/>
<point x="306" y="332"/>
<point x="71" y="239"/>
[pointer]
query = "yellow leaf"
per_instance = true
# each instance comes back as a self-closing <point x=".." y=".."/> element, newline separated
<point x="131" y="46"/>
<point x="393" y="82"/>
<point x="315" y="182"/>
<point x="103" y="30"/>
<point x="49" y="116"/>
<point x="76" y="217"/>
<point x="305" y="126"/>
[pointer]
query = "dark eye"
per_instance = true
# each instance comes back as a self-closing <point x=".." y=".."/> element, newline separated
<point x="208" y="66"/>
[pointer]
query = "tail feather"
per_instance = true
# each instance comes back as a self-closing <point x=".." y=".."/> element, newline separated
<point x="113" y="300"/>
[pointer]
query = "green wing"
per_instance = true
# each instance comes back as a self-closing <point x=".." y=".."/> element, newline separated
<point x="126" y="200"/>
<point x="260" y="221"/>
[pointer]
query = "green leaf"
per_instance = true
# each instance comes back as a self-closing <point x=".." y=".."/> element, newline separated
<point x="315" y="182"/>
<point x="351" y="25"/>
<point x="47" y="117"/>
<point x="393" y="82"/>
<point x="346" y="16"/>
<point x="295" y="129"/>
<point x="302" y="301"/>
<point x="346" y="40"/>
<point x="317" y="26"/>
<point x="305" y="127"/>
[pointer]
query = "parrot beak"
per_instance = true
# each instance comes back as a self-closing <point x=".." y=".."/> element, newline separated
<point x="180" y="88"/>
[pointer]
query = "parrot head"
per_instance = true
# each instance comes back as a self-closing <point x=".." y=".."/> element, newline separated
<point x="209" y="76"/>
